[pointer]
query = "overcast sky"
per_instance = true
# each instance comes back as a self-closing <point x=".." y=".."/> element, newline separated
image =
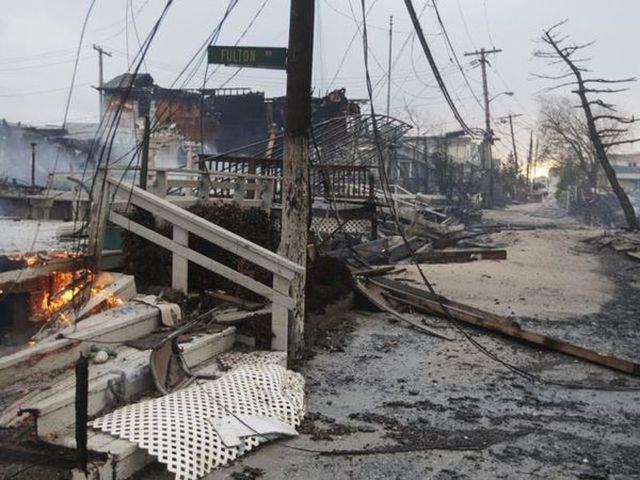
<point x="39" y="39"/>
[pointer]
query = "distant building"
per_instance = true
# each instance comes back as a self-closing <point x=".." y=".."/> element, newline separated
<point x="627" y="168"/>
<point x="419" y="163"/>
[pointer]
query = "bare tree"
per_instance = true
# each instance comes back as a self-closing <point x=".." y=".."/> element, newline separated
<point x="565" y="139"/>
<point x="561" y="51"/>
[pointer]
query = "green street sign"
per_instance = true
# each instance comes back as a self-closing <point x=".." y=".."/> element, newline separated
<point x="255" y="57"/>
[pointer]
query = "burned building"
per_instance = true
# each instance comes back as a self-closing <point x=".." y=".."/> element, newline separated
<point x="220" y="120"/>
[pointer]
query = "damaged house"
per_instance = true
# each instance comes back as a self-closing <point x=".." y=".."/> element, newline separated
<point x="434" y="164"/>
<point x="221" y="120"/>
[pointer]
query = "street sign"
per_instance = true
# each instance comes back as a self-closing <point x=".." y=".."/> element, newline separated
<point x="255" y="57"/>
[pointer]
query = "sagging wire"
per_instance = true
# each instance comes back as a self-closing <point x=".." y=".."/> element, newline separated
<point x="385" y="189"/>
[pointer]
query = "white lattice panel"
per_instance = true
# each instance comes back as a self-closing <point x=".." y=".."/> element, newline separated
<point x="176" y="428"/>
<point x="229" y="360"/>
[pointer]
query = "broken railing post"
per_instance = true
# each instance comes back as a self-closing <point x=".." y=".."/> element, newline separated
<point x="179" y="264"/>
<point x="372" y="206"/>
<point x="280" y="316"/>
<point x="204" y="185"/>
<point x="160" y="186"/>
<point x="82" y="405"/>
<point x="98" y="214"/>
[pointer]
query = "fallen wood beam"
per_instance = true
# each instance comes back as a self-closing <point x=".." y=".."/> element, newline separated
<point x="373" y="293"/>
<point x="373" y="272"/>
<point x="14" y="277"/>
<point x="235" y="301"/>
<point x="403" y="250"/>
<point x="460" y="256"/>
<point x="479" y="318"/>
<point x="634" y="255"/>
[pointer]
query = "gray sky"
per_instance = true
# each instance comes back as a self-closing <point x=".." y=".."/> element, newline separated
<point x="39" y="39"/>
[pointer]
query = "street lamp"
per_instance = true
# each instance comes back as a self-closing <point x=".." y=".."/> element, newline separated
<point x="509" y="94"/>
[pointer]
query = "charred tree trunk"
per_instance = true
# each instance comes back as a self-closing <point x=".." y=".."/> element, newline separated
<point x="564" y="54"/>
<point x="601" y="154"/>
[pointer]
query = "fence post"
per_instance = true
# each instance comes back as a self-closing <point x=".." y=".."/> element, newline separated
<point x="266" y="192"/>
<point x="160" y="187"/>
<point x="180" y="265"/>
<point x="239" y="191"/>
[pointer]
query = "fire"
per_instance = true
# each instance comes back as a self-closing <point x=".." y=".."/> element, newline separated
<point x="65" y="289"/>
<point x="60" y="299"/>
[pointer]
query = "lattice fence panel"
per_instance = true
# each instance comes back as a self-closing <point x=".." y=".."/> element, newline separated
<point x="176" y="428"/>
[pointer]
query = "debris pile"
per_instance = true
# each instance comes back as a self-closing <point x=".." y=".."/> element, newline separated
<point x="619" y="241"/>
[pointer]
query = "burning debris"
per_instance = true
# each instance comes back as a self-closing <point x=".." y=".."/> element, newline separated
<point x="43" y="292"/>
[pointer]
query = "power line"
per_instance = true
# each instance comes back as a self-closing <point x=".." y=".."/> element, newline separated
<point x="434" y="67"/>
<point x="453" y="52"/>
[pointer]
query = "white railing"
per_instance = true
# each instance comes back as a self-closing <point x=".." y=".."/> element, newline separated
<point x="245" y="189"/>
<point x="184" y="223"/>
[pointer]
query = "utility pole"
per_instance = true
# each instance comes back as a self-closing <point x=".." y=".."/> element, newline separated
<point x="33" y="164"/>
<point x="295" y="165"/>
<point x="529" y="158"/>
<point x="487" y="160"/>
<point x="101" y="52"/>
<point x="513" y="141"/>
<point x="389" y="65"/>
<point x="144" y="163"/>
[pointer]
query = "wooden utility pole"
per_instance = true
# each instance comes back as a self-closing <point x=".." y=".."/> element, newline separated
<point x="101" y="52"/>
<point x="389" y="65"/>
<point x="513" y="142"/>
<point x="487" y="160"/>
<point x="33" y="164"/>
<point x="295" y="168"/>
<point x="529" y="159"/>
<point x="144" y="162"/>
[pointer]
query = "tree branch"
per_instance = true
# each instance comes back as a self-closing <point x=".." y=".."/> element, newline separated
<point x="602" y="90"/>
<point x="604" y="80"/>
<point x="621" y="142"/>
<point x="615" y="118"/>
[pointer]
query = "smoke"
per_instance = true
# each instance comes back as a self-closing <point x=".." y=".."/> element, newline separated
<point x="15" y="156"/>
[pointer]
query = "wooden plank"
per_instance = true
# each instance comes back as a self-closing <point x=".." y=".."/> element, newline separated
<point x="403" y="250"/>
<point x="201" y="260"/>
<point x="374" y="294"/>
<point x="11" y="278"/>
<point x="234" y="318"/>
<point x="634" y="255"/>
<point x="211" y="232"/>
<point x="235" y="301"/>
<point x="373" y="272"/>
<point x="460" y="255"/>
<point x="505" y="326"/>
